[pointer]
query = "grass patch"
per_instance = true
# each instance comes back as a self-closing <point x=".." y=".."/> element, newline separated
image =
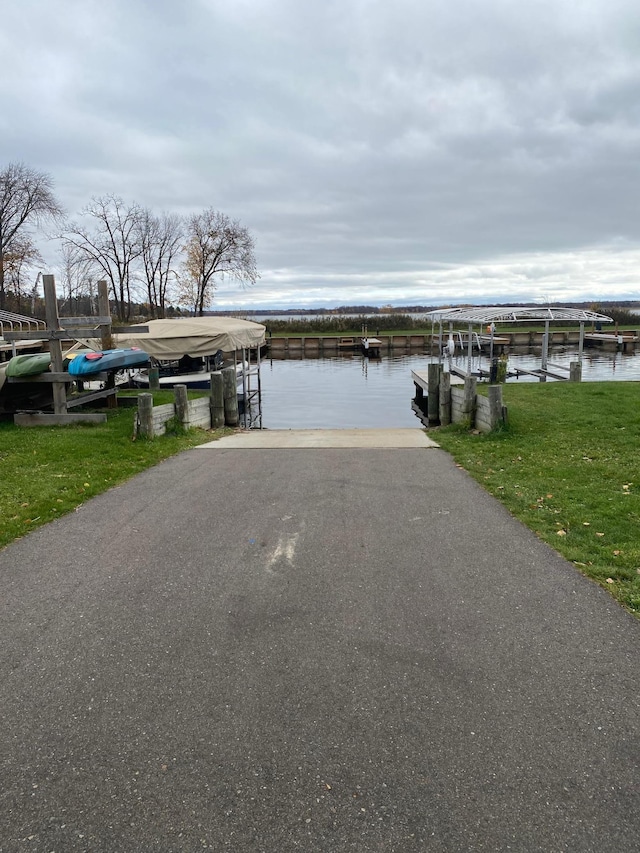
<point x="46" y="472"/>
<point x="568" y="466"/>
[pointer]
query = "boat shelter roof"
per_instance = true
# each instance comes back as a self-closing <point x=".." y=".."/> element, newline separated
<point x="515" y="314"/>
<point x="195" y="336"/>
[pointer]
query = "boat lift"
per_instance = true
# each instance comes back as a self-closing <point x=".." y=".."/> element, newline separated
<point x="10" y="323"/>
<point x="488" y="316"/>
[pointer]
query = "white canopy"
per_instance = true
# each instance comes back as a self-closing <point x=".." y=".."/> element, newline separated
<point x="195" y="336"/>
<point x="515" y="314"/>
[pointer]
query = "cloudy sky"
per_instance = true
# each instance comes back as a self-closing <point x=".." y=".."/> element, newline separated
<point x="411" y="152"/>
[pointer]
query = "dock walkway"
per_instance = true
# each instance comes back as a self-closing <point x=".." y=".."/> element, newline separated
<point x="313" y="649"/>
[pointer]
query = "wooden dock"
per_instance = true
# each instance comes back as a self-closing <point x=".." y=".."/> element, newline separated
<point x="458" y="375"/>
<point x="539" y="373"/>
<point x="371" y="347"/>
<point x="621" y="341"/>
<point x="421" y="379"/>
<point x="7" y="347"/>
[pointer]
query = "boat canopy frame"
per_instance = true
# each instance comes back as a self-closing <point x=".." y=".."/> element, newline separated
<point x="485" y="314"/>
<point x="489" y="315"/>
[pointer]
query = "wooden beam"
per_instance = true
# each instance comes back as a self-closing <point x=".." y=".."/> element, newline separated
<point x="38" y="419"/>
<point x="89" y="322"/>
<point x="43" y="335"/>
<point x="53" y="324"/>
<point x="105" y="311"/>
<point x="71" y="332"/>
<point x="102" y="394"/>
<point x="59" y="377"/>
<point x="67" y="334"/>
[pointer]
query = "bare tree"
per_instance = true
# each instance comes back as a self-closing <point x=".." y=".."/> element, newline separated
<point x="112" y="245"/>
<point x="77" y="277"/>
<point x="26" y="200"/>
<point x="21" y="257"/>
<point x="188" y="292"/>
<point x="161" y="241"/>
<point x="216" y="247"/>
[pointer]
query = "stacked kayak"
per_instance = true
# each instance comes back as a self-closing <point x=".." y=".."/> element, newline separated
<point x="28" y="365"/>
<point x="89" y="363"/>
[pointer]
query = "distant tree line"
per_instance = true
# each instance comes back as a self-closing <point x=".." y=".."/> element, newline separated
<point x="151" y="261"/>
<point x="359" y="310"/>
<point x="620" y="315"/>
<point x="340" y="323"/>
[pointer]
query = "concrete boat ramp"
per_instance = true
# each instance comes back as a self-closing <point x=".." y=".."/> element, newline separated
<point x="311" y="648"/>
<point x="309" y="438"/>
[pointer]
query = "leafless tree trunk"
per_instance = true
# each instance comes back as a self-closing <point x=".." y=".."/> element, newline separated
<point x="26" y="200"/>
<point x="161" y="240"/>
<point x="20" y="259"/>
<point x="216" y="247"/>
<point x="112" y="246"/>
<point x="77" y="277"/>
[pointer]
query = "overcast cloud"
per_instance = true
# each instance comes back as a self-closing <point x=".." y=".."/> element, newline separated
<point x="420" y="151"/>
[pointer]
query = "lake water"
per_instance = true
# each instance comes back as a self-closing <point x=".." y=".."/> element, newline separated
<point x="350" y="391"/>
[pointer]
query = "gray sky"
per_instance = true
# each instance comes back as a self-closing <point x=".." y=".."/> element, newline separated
<point x="411" y="152"/>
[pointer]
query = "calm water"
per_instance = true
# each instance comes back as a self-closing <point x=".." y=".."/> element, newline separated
<point x="351" y="391"/>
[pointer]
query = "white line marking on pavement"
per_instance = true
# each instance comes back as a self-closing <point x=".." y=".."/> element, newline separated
<point x="285" y="549"/>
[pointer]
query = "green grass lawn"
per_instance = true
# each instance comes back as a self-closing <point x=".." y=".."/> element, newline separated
<point x="568" y="466"/>
<point x="48" y="471"/>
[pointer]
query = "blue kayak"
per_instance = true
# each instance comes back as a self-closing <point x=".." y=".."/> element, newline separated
<point x="88" y="363"/>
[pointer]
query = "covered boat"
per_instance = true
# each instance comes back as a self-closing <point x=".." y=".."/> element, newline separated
<point x="176" y="344"/>
<point x="170" y="340"/>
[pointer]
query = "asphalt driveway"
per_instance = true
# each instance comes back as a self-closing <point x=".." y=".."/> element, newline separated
<point x="336" y="649"/>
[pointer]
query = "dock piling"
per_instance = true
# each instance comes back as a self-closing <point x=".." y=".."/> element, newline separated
<point x="182" y="405"/>
<point x="433" y="395"/>
<point x="495" y="405"/>
<point x="216" y="403"/>
<point x="230" y="396"/>
<point x="469" y="404"/>
<point x="145" y="415"/>
<point x="445" y="399"/>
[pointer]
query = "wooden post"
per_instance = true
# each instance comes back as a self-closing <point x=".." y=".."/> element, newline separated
<point x="445" y="399"/>
<point x="106" y="338"/>
<point x="433" y="398"/>
<point x="216" y="403"/>
<point x="181" y="403"/>
<point x="495" y="405"/>
<point x="55" y="347"/>
<point x="545" y="345"/>
<point x="154" y="378"/>
<point x="145" y="415"/>
<point x="581" y="342"/>
<point x="104" y="311"/>
<point x="575" y="371"/>
<point x="469" y="403"/>
<point x="230" y="396"/>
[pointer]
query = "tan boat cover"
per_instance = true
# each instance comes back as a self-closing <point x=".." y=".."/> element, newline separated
<point x="195" y="336"/>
